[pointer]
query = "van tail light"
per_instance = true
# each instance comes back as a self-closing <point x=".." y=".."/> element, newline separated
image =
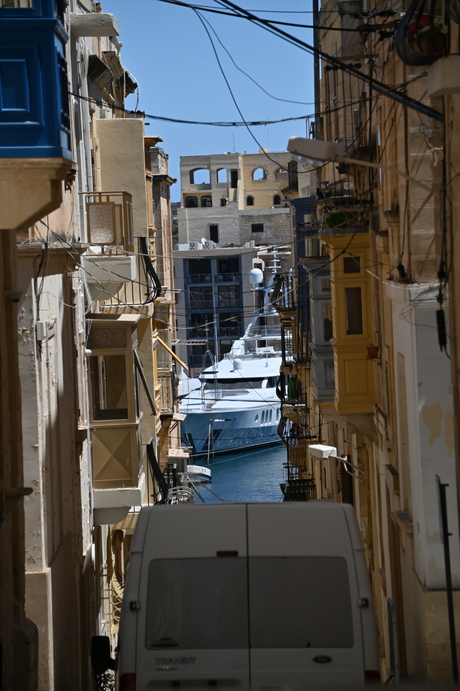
<point x="372" y="676"/>
<point x="128" y="682"/>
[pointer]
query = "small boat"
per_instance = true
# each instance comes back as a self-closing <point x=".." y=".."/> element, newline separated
<point x="199" y="473"/>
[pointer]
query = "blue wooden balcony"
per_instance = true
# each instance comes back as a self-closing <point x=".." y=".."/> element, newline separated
<point x="34" y="111"/>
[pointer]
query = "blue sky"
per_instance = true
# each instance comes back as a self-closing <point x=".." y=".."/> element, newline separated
<point x="169" y="53"/>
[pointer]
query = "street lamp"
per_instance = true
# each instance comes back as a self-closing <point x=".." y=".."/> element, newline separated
<point x="320" y="151"/>
<point x="322" y="452"/>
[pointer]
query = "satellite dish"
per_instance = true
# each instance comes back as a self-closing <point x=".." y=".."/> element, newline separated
<point x="256" y="276"/>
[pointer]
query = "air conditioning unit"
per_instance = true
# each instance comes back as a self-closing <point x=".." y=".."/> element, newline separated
<point x="195" y="246"/>
<point x="209" y="244"/>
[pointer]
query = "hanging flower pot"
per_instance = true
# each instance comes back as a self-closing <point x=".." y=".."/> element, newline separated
<point x="427" y="35"/>
<point x="422" y="37"/>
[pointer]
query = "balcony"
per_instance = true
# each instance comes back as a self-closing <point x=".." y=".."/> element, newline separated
<point x="200" y="304"/>
<point x="117" y="451"/>
<point x="282" y="298"/>
<point x="230" y="331"/>
<point x="166" y="394"/>
<point x="228" y="278"/>
<point x="109" y="218"/>
<point x="141" y="287"/>
<point x="298" y="487"/>
<point x="199" y="278"/>
<point x="106" y="274"/>
<point x="35" y="154"/>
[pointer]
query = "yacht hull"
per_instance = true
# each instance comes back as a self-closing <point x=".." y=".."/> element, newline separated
<point x="213" y="432"/>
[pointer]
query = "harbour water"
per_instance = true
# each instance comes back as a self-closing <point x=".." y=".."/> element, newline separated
<point x="247" y="476"/>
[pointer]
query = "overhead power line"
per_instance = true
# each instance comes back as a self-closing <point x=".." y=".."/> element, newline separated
<point x="378" y="86"/>
<point x="232" y="14"/>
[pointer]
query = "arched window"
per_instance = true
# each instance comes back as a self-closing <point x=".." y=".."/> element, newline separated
<point x="221" y="175"/>
<point x="276" y="200"/>
<point x="191" y="202"/>
<point x="249" y="201"/>
<point x="200" y="176"/>
<point x="206" y="201"/>
<point x="259" y="174"/>
<point x="281" y="174"/>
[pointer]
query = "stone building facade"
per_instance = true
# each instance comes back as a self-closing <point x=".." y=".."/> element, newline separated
<point x="88" y="304"/>
<point x="379" y="273"/>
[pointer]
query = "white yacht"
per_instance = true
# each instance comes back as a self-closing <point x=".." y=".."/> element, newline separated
<point x="236" y="406"/>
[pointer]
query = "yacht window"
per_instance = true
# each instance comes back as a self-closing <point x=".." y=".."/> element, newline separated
<point x="256" y="418"/>
<point x="229" y="384"/>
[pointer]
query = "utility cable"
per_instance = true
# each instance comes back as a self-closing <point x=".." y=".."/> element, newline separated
<point x="377" y="85"/>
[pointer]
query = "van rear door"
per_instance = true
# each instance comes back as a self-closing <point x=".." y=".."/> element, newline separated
<point x="305" y="628"/>
<point x="193" y="621"/>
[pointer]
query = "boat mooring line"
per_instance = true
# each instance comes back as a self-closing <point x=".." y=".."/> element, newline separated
<point x="195" y="489"/>
<point x="250" y="453"/>
<point x="224" y="501"/>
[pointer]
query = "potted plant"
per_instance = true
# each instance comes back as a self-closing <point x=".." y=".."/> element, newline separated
<point x="427" y="35"/>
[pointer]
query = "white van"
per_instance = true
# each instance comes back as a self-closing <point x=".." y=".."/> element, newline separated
<point x="259" y="596"/>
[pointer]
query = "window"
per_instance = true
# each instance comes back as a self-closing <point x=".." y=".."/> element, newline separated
<point x="327" y="321"/>
<point x="214" y="233"/>
<point x="320" y="618"/>
<point x="108" y="387"/>
<point x="292" y="174"/>
<point x="200" y="176"/>
<point x="191" y="202"/>
<point x="228" y="297"/>
<point x="221" y="176"/>
<point x="249" y="201"/>
<point x="259" y="174"/>
<point x="220" y="623"/>
<point x="229" y="268"/>
<point x="354" y="313"/>
<point x="276" y="200"/>
<point x="326" y="285"/>
<point x="229" y="324"/>
<point x="233" y="179"/>
<point x="15" y="3"/>
<point x="281" y="174"/>
<point x="352" y="265"/>
<point x="199" y="270"/>
<point x="206" y="202"/>
<point x="200" y="298"/>
<point x="257" y="227"/>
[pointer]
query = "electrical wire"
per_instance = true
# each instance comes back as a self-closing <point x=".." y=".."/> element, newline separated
<point x="274" y="21"/>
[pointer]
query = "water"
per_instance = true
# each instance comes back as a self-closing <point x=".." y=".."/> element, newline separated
<point x="246" y="476"/>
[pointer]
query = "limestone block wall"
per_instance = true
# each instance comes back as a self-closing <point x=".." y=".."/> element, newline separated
<point x="275" y="222"/>
<point x="263" y="191"/>
<point x="194" y="224"/>
<point x="213" y="163"/>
